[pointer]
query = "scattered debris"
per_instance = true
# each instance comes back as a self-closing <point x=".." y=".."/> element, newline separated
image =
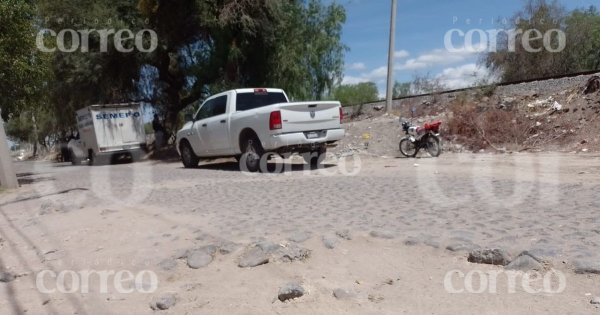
<point x="490" y="257"/>
<point x="592" y="85"/>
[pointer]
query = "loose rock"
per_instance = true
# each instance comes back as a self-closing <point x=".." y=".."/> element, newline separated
<point x="382" y="234"/>
<point x="344" y="234"/>
<point x="595" y="300"/>
<point x="290" y="291"/>
<point x="253" y="258"/>
<point x="329" y="241"/>
<point x="587" y="266"/>
<point x="525" y="263"/>
<point x="164" y="302"/>
<point x="6" y="277"/>
<point x="290" y="253"/>
<point x="342" y="294"/>
<point x="489" y="256"/>
<point x="461" y="246"/>
<point x="168" y="264"/>
<point x="200" y="258"/>
<point x="299" y="237"/>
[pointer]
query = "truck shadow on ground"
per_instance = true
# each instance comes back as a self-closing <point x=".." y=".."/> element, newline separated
<point x="31" y="178"/>
<point x="272" y="168"/>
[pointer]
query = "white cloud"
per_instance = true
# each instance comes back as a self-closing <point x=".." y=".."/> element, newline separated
<point x="400" y="54"/>
<point x="438" y="57"/>
<point x="375" y="75"/>
<point x="464" y="76"/>
<point x="359" y="66"/>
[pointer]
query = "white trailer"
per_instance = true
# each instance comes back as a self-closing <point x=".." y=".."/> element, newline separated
<point x="107" y="131"/>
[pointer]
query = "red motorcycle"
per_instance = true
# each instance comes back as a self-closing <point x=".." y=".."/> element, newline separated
<point x="417" y="138"/>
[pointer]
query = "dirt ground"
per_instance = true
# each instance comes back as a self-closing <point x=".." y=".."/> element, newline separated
<point x="377" y="233"/>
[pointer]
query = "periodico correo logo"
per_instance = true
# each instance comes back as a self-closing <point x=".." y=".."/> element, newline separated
<point x="124" y="40"/>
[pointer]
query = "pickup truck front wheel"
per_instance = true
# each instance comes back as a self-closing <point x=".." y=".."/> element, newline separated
<point x="253" y="152"/>
<point x="188" y="157"/>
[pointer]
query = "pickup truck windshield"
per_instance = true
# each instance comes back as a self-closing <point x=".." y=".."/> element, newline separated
<point x="248" y="101"/>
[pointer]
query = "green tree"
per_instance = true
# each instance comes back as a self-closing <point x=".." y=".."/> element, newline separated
<point x="356" y="94"/>
<point x="402" y="89"/>
<point x="582" y="40"/>
<point x="583" y="33"/>
<point x="204" y="46"/>
<point x="22" y="68"/>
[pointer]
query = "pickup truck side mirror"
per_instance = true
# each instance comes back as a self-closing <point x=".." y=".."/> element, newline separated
<point x="188" y="117"/>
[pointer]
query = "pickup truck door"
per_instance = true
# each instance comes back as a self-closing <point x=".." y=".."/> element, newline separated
<point x="218" y="128"/>
<point x="199" y="137"/>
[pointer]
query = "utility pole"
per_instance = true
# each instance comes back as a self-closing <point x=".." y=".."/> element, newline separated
<point x="390" y="84"/>
<point x="8" y="177"/>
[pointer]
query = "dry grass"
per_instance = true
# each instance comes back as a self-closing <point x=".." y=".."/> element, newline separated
<point x="481" y="127"/>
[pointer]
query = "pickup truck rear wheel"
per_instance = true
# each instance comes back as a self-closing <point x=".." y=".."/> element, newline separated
<point x="316" y="157"/>
<point x="188" y="157"/>
<point x="253" y="152"/>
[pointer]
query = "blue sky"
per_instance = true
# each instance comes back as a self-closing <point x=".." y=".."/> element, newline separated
<point x="421" y="27"/>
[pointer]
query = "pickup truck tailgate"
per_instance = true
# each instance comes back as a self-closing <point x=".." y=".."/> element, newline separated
<point x="309" y="116"/>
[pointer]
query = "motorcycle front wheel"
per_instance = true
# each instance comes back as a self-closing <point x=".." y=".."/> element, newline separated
<point x="432" y="143"/>
<point x="408" y="148"/>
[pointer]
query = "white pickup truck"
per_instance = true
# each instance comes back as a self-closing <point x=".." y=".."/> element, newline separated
<point x="247" y="123"/>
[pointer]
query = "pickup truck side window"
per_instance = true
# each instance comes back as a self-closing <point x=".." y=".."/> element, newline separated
<point x="205" y="111"/>
<point x="216" y="106"/>
<point x="220" y="106"/>
<point x="248" y="101"/>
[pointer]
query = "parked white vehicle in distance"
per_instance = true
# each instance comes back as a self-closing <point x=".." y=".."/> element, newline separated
<point x="246" y="123"/>
<point x="106" y="131"/>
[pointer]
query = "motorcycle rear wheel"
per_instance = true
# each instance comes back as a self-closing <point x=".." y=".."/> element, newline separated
<point x="432" y="144"/>
<point x="408" y="148"/>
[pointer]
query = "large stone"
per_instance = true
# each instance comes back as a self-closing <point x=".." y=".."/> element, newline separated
<point x="587" y="266"/>
<point x="200" y="258"/>
<point x="268" y="246"/>
<point x="299" y="237"/>
<point x="595" y="300"/>
<point x="525" y="263"/>
<point x="489" y="256"/>
<point x="254" y="257"/>
<point x="290" y="253"/>
<point x="290" y="291"/>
